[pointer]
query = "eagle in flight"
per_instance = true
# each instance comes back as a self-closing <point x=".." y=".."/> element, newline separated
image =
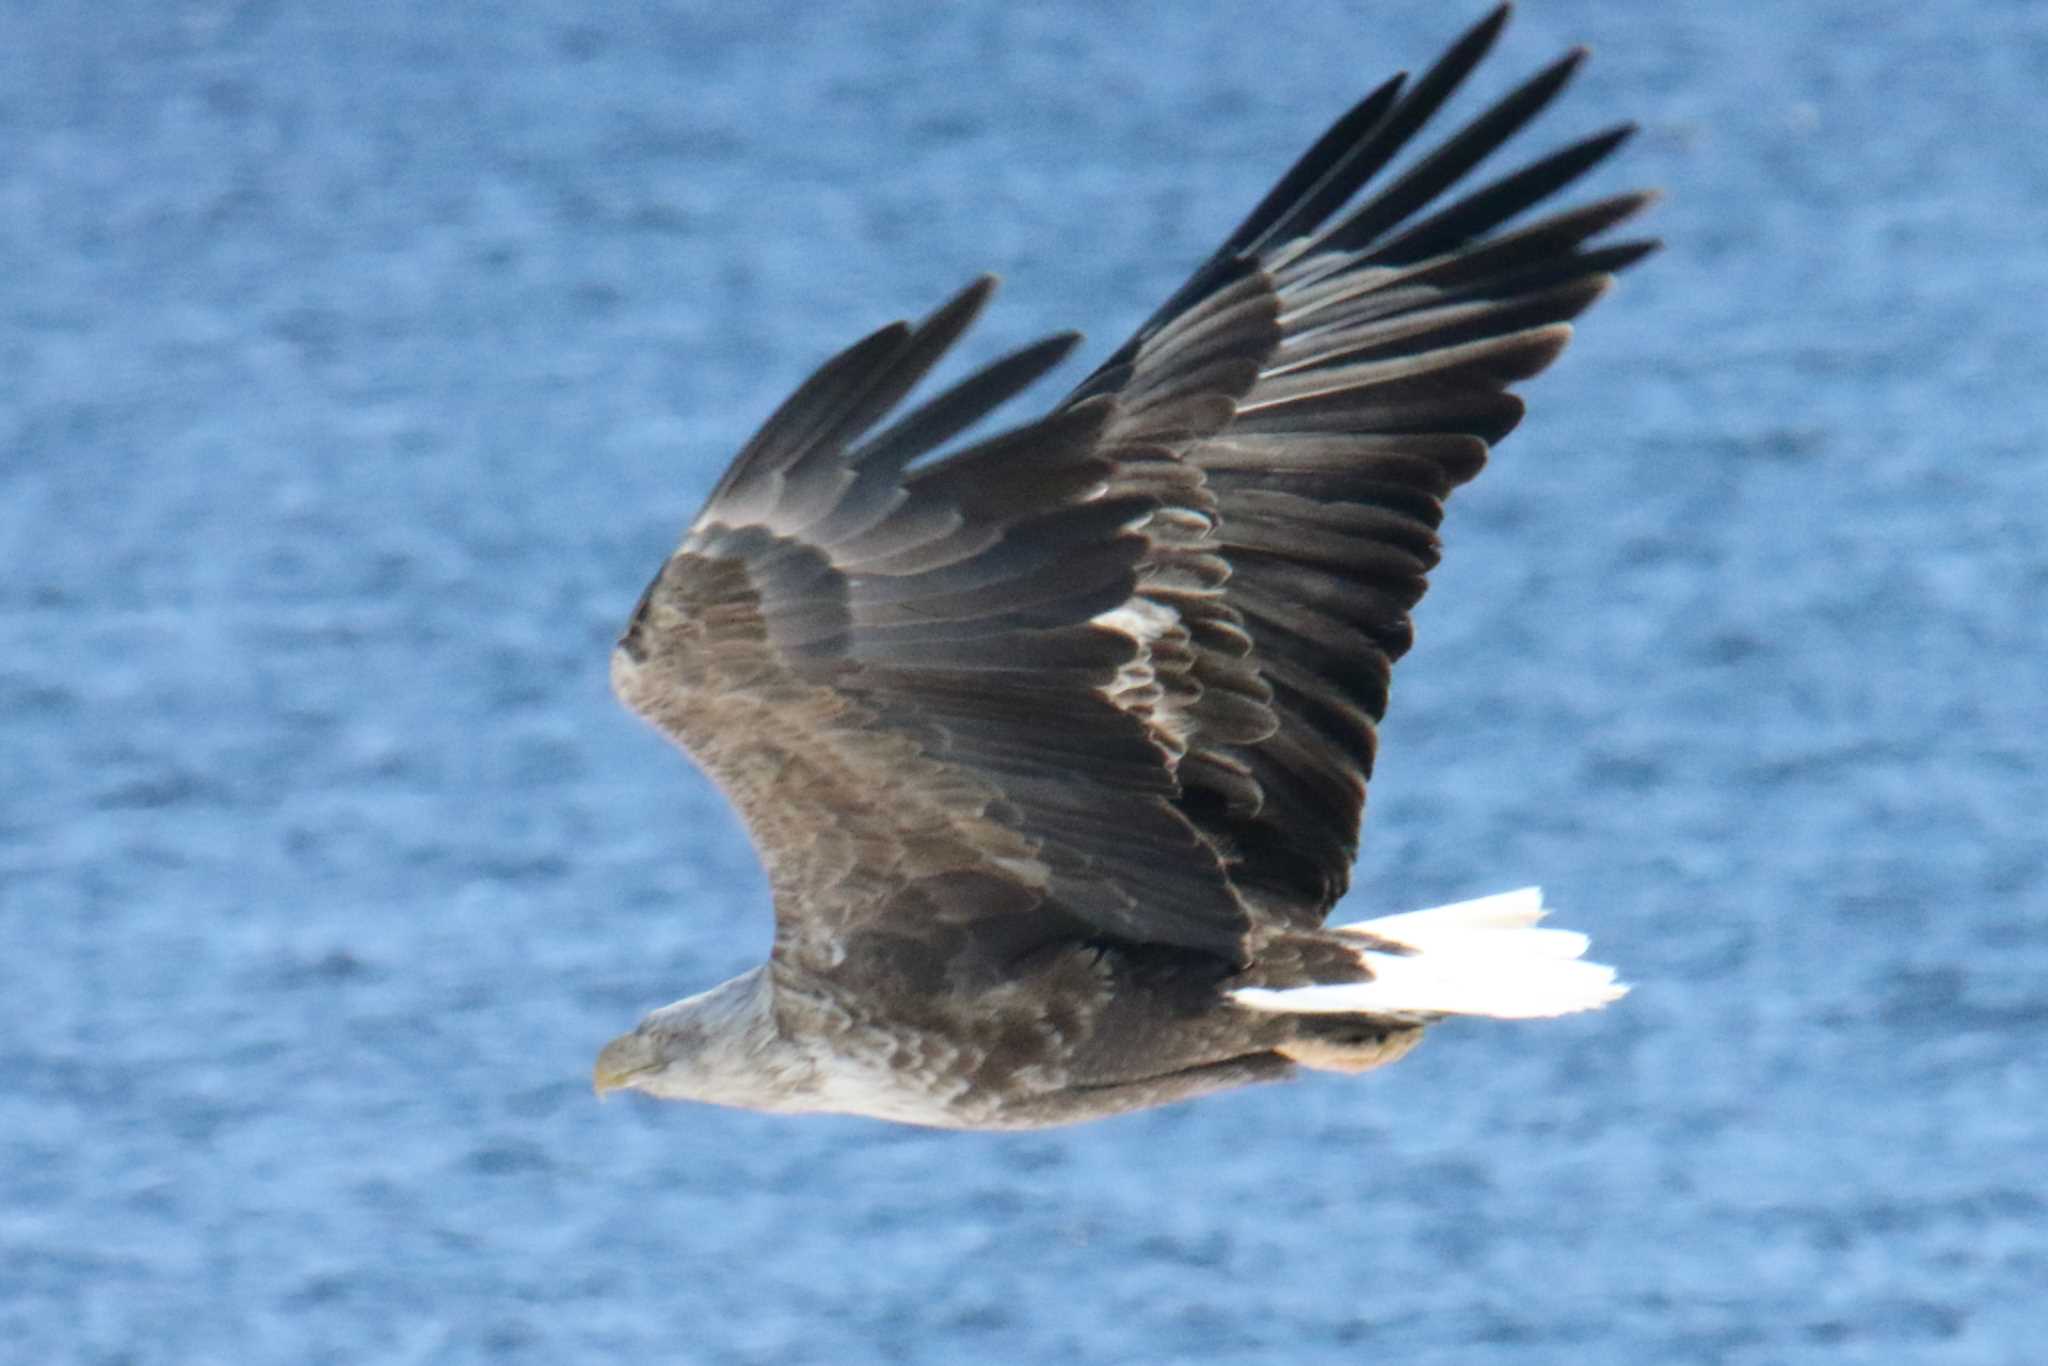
<point x="1055" y="747"/>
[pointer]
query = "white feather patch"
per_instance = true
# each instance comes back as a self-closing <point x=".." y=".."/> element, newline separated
<point x="1140" y="618"/>
<point x="1481" y="957"/>
<point x="1136" y="686"/>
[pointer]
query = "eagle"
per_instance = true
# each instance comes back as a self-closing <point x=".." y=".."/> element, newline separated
<point x="1055" y="745"/>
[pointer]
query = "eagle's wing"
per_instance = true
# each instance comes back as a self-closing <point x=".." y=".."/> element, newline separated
<point x="909" y="680"/>
<point x="1116" y="672"/>
<point x="1354" y="363"/>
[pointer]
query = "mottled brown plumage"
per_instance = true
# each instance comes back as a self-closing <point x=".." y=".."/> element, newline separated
<point x="1055" y="747"/>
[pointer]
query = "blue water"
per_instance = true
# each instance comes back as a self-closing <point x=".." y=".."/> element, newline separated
<point x="357" y="366"/>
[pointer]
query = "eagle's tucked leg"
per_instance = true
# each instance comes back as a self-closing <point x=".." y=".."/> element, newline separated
<point x="1353" y="1047"/>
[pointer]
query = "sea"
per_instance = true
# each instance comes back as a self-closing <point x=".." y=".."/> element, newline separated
<point x="360" y="363"/>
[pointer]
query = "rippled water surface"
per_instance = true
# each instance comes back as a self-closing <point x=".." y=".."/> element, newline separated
<point x="358" y="364"/>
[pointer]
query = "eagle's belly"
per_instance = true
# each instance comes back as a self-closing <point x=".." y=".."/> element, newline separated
<point x="1073" y="1041"/>
<point x="957" y="1063"/>
<point x="852" y="1084"/>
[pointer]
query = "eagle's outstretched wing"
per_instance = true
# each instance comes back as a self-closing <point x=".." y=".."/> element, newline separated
<point x="1115" y="673"/>
<point x="1366" y="359"/>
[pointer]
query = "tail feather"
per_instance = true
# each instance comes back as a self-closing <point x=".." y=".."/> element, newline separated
<point x="1486" y="957"/>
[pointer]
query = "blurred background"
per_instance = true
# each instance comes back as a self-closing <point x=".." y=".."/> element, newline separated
<point x="359" y="364"/>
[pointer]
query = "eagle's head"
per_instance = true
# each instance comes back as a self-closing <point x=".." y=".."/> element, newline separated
<point x="720" y="1046"/>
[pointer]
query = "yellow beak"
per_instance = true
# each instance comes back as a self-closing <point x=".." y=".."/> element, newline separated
<point x="623" y="1060"/>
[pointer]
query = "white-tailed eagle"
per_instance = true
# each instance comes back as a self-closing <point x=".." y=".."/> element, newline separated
<point x="1055" y="747"/>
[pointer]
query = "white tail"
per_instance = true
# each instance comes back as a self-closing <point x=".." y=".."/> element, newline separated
<point x="1480" y="957"/>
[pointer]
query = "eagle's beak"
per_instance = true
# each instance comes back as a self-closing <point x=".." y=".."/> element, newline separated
<point x="623" y="1060"/>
